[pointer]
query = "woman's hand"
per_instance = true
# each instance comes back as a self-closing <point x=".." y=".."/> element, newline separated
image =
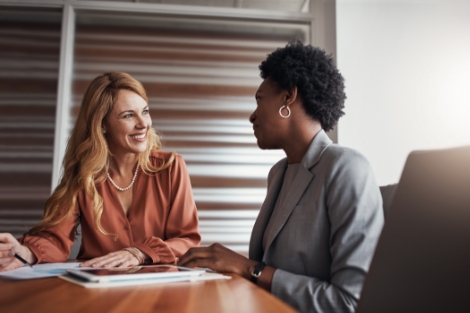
<point x="119" y="258"/>
<point x="8" y="247"/>
<point x="218" y="258"/>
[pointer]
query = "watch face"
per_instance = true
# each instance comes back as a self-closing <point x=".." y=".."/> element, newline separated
<point x="258" y="268"/>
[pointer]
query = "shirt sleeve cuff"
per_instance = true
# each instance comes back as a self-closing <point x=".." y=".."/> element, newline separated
<point x="159" y="254"/>
<point x="35" y="250"/>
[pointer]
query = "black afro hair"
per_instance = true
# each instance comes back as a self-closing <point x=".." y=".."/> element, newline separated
<point x="319" y="83"/>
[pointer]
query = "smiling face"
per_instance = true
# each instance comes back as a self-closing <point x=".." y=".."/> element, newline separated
<point x="268" y="126"/>
<point x="127" y="124"/>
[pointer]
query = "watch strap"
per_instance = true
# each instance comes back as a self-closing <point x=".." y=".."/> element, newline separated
<point x="257" y="271"/>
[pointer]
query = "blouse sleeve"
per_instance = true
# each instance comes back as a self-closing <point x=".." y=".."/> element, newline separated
<point x="181" y="231"/>
<point x="53" y="244"/>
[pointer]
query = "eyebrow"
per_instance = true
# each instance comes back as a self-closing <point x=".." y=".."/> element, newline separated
<point x="127" y="111"/>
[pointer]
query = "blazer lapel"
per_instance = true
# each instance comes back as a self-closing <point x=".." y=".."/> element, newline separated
<point x="302" y="180"/>
<point x="318" y="145"/>
<point x="274" y="186"/>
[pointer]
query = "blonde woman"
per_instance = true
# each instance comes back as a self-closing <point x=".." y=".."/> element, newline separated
<point x="133" y="201"/>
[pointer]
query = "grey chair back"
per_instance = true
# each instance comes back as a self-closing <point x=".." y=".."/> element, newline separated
<point x="387" y="192"/>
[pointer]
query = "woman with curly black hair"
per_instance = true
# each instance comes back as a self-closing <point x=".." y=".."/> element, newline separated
<point x="316" y="232"/>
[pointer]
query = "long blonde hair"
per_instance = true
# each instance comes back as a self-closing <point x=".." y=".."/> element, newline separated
<point x="87" y="156"/>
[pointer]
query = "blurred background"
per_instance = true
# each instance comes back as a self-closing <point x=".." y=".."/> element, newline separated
<point x="406" y="65"/>
<point x="200" y="72"/>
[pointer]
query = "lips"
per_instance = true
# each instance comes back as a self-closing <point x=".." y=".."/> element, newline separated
<point x="255" y="128"/>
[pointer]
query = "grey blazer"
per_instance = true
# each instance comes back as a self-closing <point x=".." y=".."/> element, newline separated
<point x="323" y="242"/>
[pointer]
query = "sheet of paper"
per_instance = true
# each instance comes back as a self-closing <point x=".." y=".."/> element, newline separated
<point x="40" y="270"/>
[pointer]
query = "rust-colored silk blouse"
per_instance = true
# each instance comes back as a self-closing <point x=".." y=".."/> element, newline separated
<point x="162" y="220"/>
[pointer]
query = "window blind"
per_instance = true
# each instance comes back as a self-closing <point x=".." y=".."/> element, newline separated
<point x="29" y="61"/>
<point x="201" y="80"/>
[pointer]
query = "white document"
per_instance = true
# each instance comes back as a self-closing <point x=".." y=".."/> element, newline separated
<point x="40" y="270"/>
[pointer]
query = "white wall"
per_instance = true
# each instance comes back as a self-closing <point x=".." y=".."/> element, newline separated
<point x="407" y="70"/>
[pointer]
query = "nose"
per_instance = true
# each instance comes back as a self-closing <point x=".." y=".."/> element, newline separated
<point x="143" y="121"/>
<point x="253" y="117"/>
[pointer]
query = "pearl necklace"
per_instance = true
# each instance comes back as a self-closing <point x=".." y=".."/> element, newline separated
<point x="132" y="182"/>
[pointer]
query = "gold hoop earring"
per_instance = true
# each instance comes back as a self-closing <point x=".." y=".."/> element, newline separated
<point x="288" y="111"/>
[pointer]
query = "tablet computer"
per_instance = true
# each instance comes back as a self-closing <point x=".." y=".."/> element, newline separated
<point x="134" y="273"/>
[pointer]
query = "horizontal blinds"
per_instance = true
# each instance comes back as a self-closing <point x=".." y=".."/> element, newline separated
<point x="279" y="5"/>
<point x="201" y="86"/>
<point x="29" y="61"/>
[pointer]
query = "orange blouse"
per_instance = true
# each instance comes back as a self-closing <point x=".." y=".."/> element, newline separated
<point x="162" y="221"/>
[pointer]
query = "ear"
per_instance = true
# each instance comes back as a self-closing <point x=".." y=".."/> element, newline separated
<point x="291" y="95"/>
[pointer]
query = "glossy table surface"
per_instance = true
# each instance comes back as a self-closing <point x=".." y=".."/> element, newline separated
<point x="56" y="295"/>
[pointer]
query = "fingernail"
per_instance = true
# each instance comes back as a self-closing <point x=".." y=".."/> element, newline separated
<point x="93" y="265"/>
<point x="106" y="265"/>
<point x="13" y="245"/>
<point x="80" y="265"/>
<point x="11" y="253"/>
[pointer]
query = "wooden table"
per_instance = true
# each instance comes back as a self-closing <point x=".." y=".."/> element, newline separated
<point x="218" y="296"/>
